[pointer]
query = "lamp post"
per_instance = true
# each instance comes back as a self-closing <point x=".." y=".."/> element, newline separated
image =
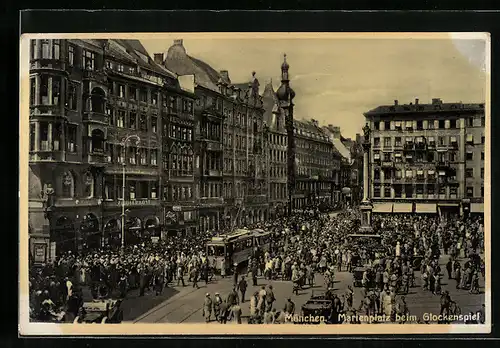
<point x="124" y="145"/>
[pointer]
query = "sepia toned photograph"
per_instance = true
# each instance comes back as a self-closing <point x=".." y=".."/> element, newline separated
<point x="254" y="183"/>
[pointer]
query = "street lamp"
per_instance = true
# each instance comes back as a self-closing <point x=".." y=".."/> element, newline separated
<point x="124" y="145"/>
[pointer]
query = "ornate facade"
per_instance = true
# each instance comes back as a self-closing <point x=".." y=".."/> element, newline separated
<point x="96" y="107"/>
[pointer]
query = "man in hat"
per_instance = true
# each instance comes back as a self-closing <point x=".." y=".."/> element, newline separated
<point x="269" y="298"/>
<point x="207" y="307"/>
<point x="242" y="286"/>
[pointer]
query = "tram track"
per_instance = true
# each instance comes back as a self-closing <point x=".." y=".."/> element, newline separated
<point x="163" y="305"/>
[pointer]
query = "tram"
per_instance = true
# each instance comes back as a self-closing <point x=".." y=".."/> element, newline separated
<point x="230" y="249"/>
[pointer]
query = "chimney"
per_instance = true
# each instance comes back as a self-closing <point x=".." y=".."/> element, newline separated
<point x="158" y="58"/>
<point x="436" y="101"/>
<point x="396" y="102"/>
<point x="225" y="75"/>
<point x="336" y="132"/>
<point x="178" y="42"/>
<point x="315" y="122"/>
<point x="416" y="101"/>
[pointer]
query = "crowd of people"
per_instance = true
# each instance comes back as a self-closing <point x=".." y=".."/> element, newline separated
<point x="303" y="246"/>
<point x="401" y="246"/>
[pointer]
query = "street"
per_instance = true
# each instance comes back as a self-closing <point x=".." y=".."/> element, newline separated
<point x="186" y="305"/>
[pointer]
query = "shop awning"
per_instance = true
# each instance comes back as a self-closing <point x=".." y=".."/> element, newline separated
<point x="426" y="208"/>
<point x="477" y="208"/>
<point x="382" y="208"/>
<point x="402" y="208"/>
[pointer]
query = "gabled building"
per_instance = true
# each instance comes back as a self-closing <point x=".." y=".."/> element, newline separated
<point x="229" y="135"/>
<point x="96" y="110"/>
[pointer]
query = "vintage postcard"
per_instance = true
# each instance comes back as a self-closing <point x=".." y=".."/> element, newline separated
<point x="255" y="183"/>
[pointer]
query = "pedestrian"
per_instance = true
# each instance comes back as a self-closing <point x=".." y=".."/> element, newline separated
<point x="242" y="286"/>
<point x="449" y="268"/>
<point x="207" y="307"/>
<point x="269" y="298"/>
<point x="254" y="300"/>
<point x="236" y="314"/>
<point x="194" y="276"/>
<point x="180" y="275"/>
<point x="217" y="306"/>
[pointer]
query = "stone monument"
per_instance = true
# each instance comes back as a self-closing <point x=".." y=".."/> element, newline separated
<point x="366" y="206"/>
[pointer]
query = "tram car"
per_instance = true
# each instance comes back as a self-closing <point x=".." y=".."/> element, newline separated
<point x="100" y="311"/>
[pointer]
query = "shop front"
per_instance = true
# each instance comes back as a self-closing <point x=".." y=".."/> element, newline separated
<point x="90" y="232"/>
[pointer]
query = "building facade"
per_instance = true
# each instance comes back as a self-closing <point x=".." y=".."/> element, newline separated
<point x="427" y="158"/>
<point x="229" y="137"/>
<point x="314" y="165"/>
<point x="96" y="108"/>
<point x="276" y="153"/>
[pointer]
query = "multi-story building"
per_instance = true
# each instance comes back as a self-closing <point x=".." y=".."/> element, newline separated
<point x="229" y="136"/>
<point x="427" y="158"/>
<point x="95" y="112"/>
<point x="314" y="165"/>
<point x="346" y="162"/>
<point x="276" y="153"/>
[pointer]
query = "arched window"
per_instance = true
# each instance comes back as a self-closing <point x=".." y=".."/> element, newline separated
<point x="97" y="141"/>
<point x="88" y="182"/>
<point x="98" y="100"/>
<point x="68" y="185"/>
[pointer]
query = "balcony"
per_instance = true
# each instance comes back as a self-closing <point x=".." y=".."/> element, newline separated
<point x="47" y="63"/>
<point x="76" y="202"/>
<point x="96" y="75"/>
<point x="140" y="202"/>
<point x="47" y="156"/>
<point x="211" y="200"/>
<point x="256" y="199"/>
<point x="42" y="110"/>
<point x="97" y="158"/>
<point x="212" y="145"/>
<point x="442" y="164"/>
<point x="213" y="172"/>
<point x="95" y="117"/>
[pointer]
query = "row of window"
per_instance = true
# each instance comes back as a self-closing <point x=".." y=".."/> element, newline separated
<point x="421" y="174"/>
<point x="400" y="157"/>
<point x="313" y="146"/>
<point x="308" y="159"/>
<point x="312" y="135"/>
<point x="277" y="191"/>
<point x="429" y="141"/>
<point x="178" y="132"/>
<point x="428" y="124"/>
<point x="421" y="191"/>
<point x="307" y="171"/>
<point x="134" y="189"/>
<point x="130" y="119"/>
<point x="133" y="155"/>
<point x="176" y="193"/>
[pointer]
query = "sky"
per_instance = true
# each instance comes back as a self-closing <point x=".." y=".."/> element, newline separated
<point x="336" y="80"/>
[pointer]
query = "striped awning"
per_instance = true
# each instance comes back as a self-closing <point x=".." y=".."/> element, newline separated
<point x="477" y="208"/>
<point x="402" y="208"/>
<point x="426" y="208"/>
<point x="382" y="208"/>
